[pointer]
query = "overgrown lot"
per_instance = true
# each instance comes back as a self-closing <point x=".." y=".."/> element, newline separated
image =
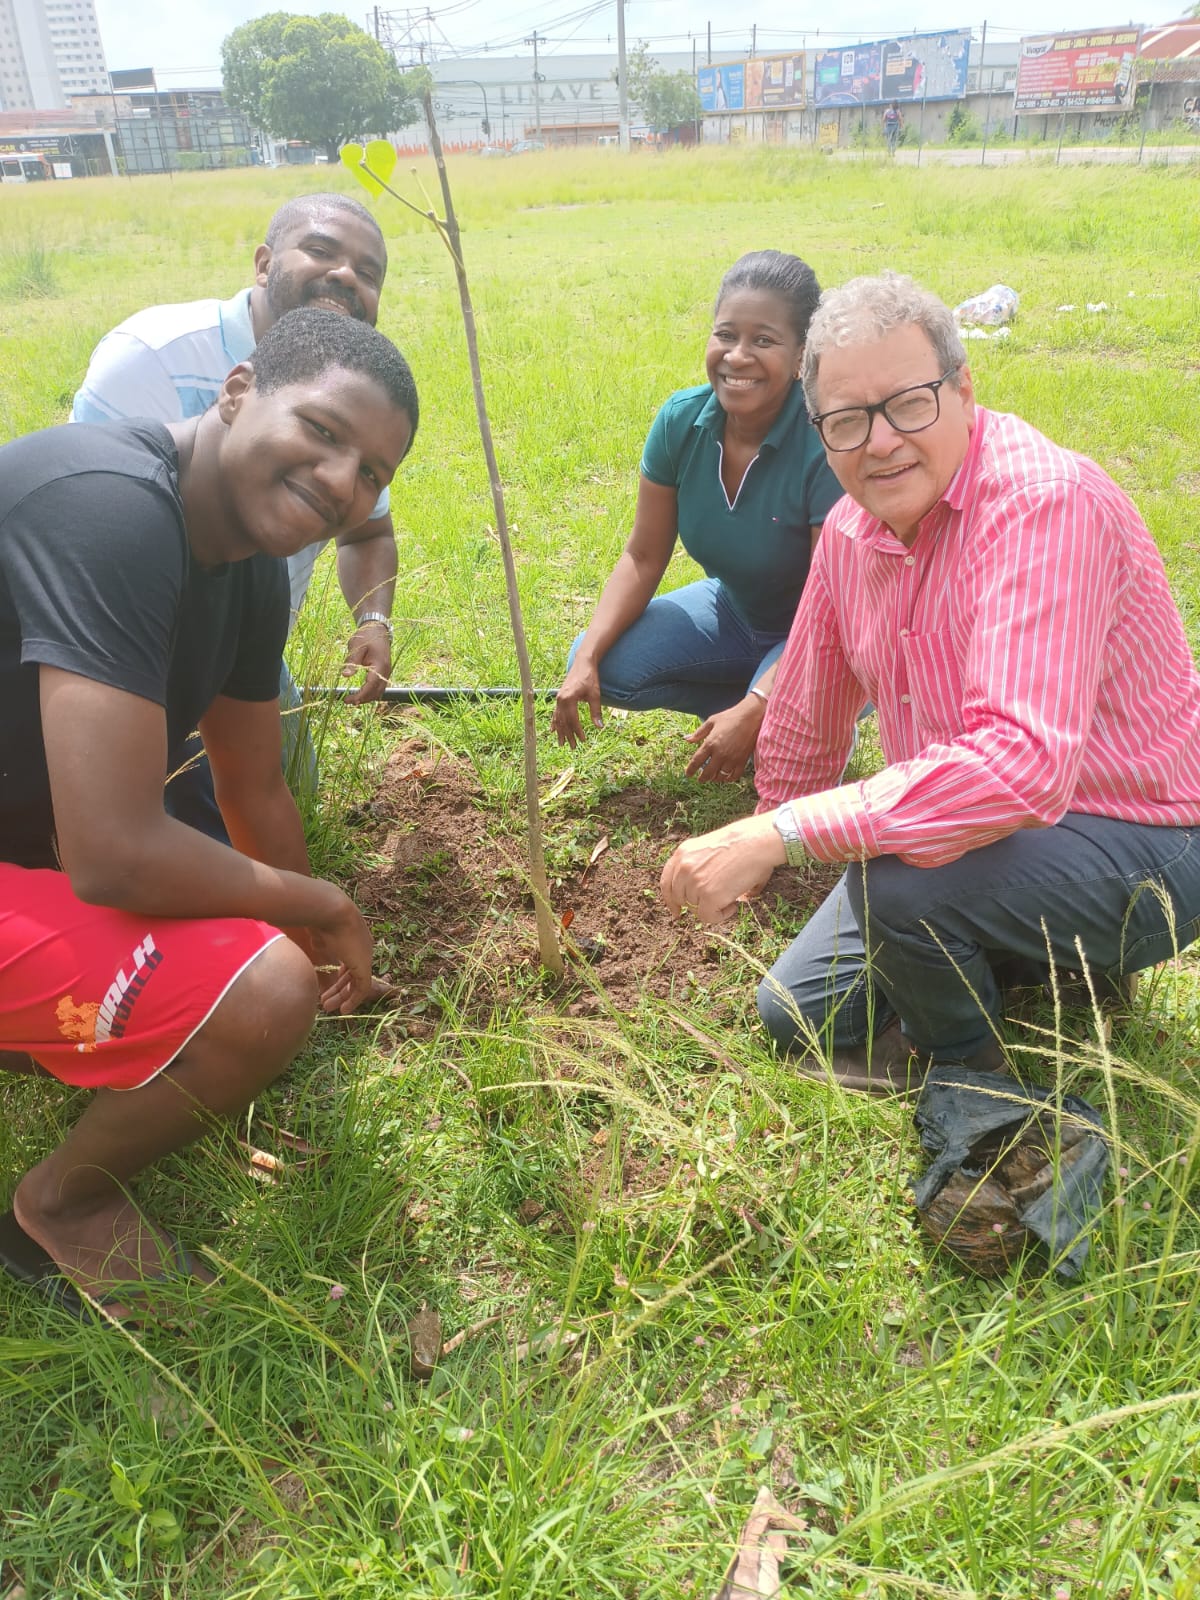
<point x="677" y="1270"/>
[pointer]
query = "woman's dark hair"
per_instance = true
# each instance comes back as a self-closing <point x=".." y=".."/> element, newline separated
<point x="775" y="272"/>
<point x="306" y="342"/>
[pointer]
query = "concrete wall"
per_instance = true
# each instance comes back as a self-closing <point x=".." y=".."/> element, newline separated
<point x="1159" y="106"/>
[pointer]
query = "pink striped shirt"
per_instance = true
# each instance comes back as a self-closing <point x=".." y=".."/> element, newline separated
<point x="1025" y="657"/>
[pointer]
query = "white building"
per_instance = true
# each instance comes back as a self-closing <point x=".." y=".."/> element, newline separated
<point x="78" y="50"/>
<point x="49" y="50"/>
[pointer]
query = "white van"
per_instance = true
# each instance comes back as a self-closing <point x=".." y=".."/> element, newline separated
<point x="24" y="167"/>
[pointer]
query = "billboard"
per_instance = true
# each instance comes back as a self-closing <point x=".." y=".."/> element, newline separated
<point x="132" y="78"/>
<point x="1076" y="71"/>
<point x="776" y="82"/>
<point x="722" y="88"/>
<point x="923" y="66"/>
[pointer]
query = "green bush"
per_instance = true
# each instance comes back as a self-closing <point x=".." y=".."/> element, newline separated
<point x="963" y="126"/>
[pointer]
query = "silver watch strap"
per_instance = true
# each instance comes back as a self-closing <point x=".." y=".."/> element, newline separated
<point x="788" y="830"/>
<point x="375" y="616"/>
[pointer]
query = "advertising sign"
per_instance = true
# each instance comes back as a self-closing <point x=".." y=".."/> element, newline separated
<point x="924" y="66"/>
<point x="1076" y="71"/>
<point x="776" y="82"/>
<point x="722" y="88"/>
<point x="132" y="78"/>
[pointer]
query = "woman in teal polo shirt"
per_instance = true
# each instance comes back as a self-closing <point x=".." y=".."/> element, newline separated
<point x="733" y="470"/>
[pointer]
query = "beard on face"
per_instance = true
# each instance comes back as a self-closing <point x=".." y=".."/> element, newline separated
<point x="287" y="290"/>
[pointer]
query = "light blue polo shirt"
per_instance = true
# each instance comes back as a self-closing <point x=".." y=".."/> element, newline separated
<point x="759" y="547"/>
<point x="169" y="362"/>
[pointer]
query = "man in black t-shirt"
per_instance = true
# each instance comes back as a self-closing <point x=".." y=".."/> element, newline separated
<point x="142" y="594"/>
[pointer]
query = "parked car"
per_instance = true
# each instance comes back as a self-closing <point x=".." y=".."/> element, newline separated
<point x="525" y="147"/>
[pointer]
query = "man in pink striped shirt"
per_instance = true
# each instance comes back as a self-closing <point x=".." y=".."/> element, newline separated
<point x="1006" y="609"/>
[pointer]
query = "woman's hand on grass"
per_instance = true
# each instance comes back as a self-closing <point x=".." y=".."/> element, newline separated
<point x="581" y="685"/>
<point x="726" y="742"/>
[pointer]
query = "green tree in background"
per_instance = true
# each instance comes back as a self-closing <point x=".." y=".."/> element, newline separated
<point x="321" y="79"/>
<point x="666" y="99"/>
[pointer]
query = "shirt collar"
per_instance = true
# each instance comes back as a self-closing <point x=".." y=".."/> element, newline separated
<point x="711" y="417"/>
<point x="958" y="488"/>
<point x="237" y="330"/>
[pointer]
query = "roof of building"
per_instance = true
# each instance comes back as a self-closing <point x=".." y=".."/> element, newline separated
<point x="1173" y="41"/>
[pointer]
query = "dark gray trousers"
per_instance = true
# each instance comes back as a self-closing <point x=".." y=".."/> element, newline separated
<point x="1115" y="896"/>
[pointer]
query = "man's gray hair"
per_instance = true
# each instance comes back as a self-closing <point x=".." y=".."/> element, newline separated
<point x="867" y="309"/>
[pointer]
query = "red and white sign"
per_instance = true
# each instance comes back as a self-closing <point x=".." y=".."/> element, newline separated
<point x="1077" y="71"/>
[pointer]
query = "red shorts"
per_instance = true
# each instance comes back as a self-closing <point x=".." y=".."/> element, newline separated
<point x="107" y="999"/>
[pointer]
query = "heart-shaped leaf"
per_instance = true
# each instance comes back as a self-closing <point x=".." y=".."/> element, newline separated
<point x="381" y="159"/>
<point x="372" y="166"/>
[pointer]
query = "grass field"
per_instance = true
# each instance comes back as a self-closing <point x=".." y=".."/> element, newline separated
<point x="705" y="1271"/>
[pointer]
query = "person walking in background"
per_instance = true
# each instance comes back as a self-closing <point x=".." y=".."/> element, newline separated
<point x="733" y="471"/>
<point x="893" y="123"/>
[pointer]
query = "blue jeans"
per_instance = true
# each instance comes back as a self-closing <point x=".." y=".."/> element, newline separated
<point x="688" y="651"/>
<point x="937" y="935"/>
<point x="189" y="795"/>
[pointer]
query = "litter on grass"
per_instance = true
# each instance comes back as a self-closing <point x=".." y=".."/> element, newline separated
<point x="990" y="309"/>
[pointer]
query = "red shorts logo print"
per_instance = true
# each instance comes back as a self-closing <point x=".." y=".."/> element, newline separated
<point x="77" y="1022"/>
<point x="121" y="996"/>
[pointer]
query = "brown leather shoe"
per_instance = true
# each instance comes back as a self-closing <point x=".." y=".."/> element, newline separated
<point x="888" y="1065"/>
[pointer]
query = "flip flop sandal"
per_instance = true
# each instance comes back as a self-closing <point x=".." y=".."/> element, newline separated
<point x="25" y="1260"/>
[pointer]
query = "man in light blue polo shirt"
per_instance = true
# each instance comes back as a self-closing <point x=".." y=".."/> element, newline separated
<point x="168" y="362"/>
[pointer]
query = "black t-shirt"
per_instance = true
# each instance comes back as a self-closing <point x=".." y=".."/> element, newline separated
<point x="97" y="577"/>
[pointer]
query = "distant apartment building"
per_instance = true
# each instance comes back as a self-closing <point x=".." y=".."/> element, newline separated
<point x="78" y="51"/>
<point x="49" y="51"/>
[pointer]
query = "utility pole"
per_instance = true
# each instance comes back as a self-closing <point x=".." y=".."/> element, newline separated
<point x="709" y="61"/>
<point x="753" y="39"/>
<point x="622" y="86"/>
<point x="537" y="80"/>
<point x="987" y="115"/>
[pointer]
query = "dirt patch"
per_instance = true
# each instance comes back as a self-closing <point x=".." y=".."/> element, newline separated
<point x="447" y="890"/>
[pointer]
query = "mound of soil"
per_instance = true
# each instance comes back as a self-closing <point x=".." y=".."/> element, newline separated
<point x="449" y="897"/>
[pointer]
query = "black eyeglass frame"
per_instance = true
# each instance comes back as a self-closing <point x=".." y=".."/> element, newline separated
<point x="881" y="407"/>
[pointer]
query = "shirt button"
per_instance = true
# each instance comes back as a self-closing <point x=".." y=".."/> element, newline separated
<point x="905" y="699"/>
<point x="904" y="633"/>
<point x="910" y="561"/>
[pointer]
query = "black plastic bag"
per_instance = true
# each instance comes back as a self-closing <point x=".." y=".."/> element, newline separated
<point x="1012" y="1166"/>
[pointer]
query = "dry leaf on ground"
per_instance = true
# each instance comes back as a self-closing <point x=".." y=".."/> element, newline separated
<point x="754" y="1572"/>
<point x="424" y="1342"/>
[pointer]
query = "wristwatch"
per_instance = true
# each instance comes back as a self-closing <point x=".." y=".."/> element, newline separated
<point x="793" y="845"/>
<point x="375" y="616"/>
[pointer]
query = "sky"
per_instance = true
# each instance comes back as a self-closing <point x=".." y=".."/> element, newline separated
<point x="181" y="39"/>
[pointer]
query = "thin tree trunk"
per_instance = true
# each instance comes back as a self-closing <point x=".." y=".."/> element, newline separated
<point x="547" y="933"/>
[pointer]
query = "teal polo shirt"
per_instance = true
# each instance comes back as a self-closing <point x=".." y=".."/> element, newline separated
<point x="759" y="547"/>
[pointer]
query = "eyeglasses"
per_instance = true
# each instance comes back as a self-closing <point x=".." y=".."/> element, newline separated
<point x="908" y="410"/>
